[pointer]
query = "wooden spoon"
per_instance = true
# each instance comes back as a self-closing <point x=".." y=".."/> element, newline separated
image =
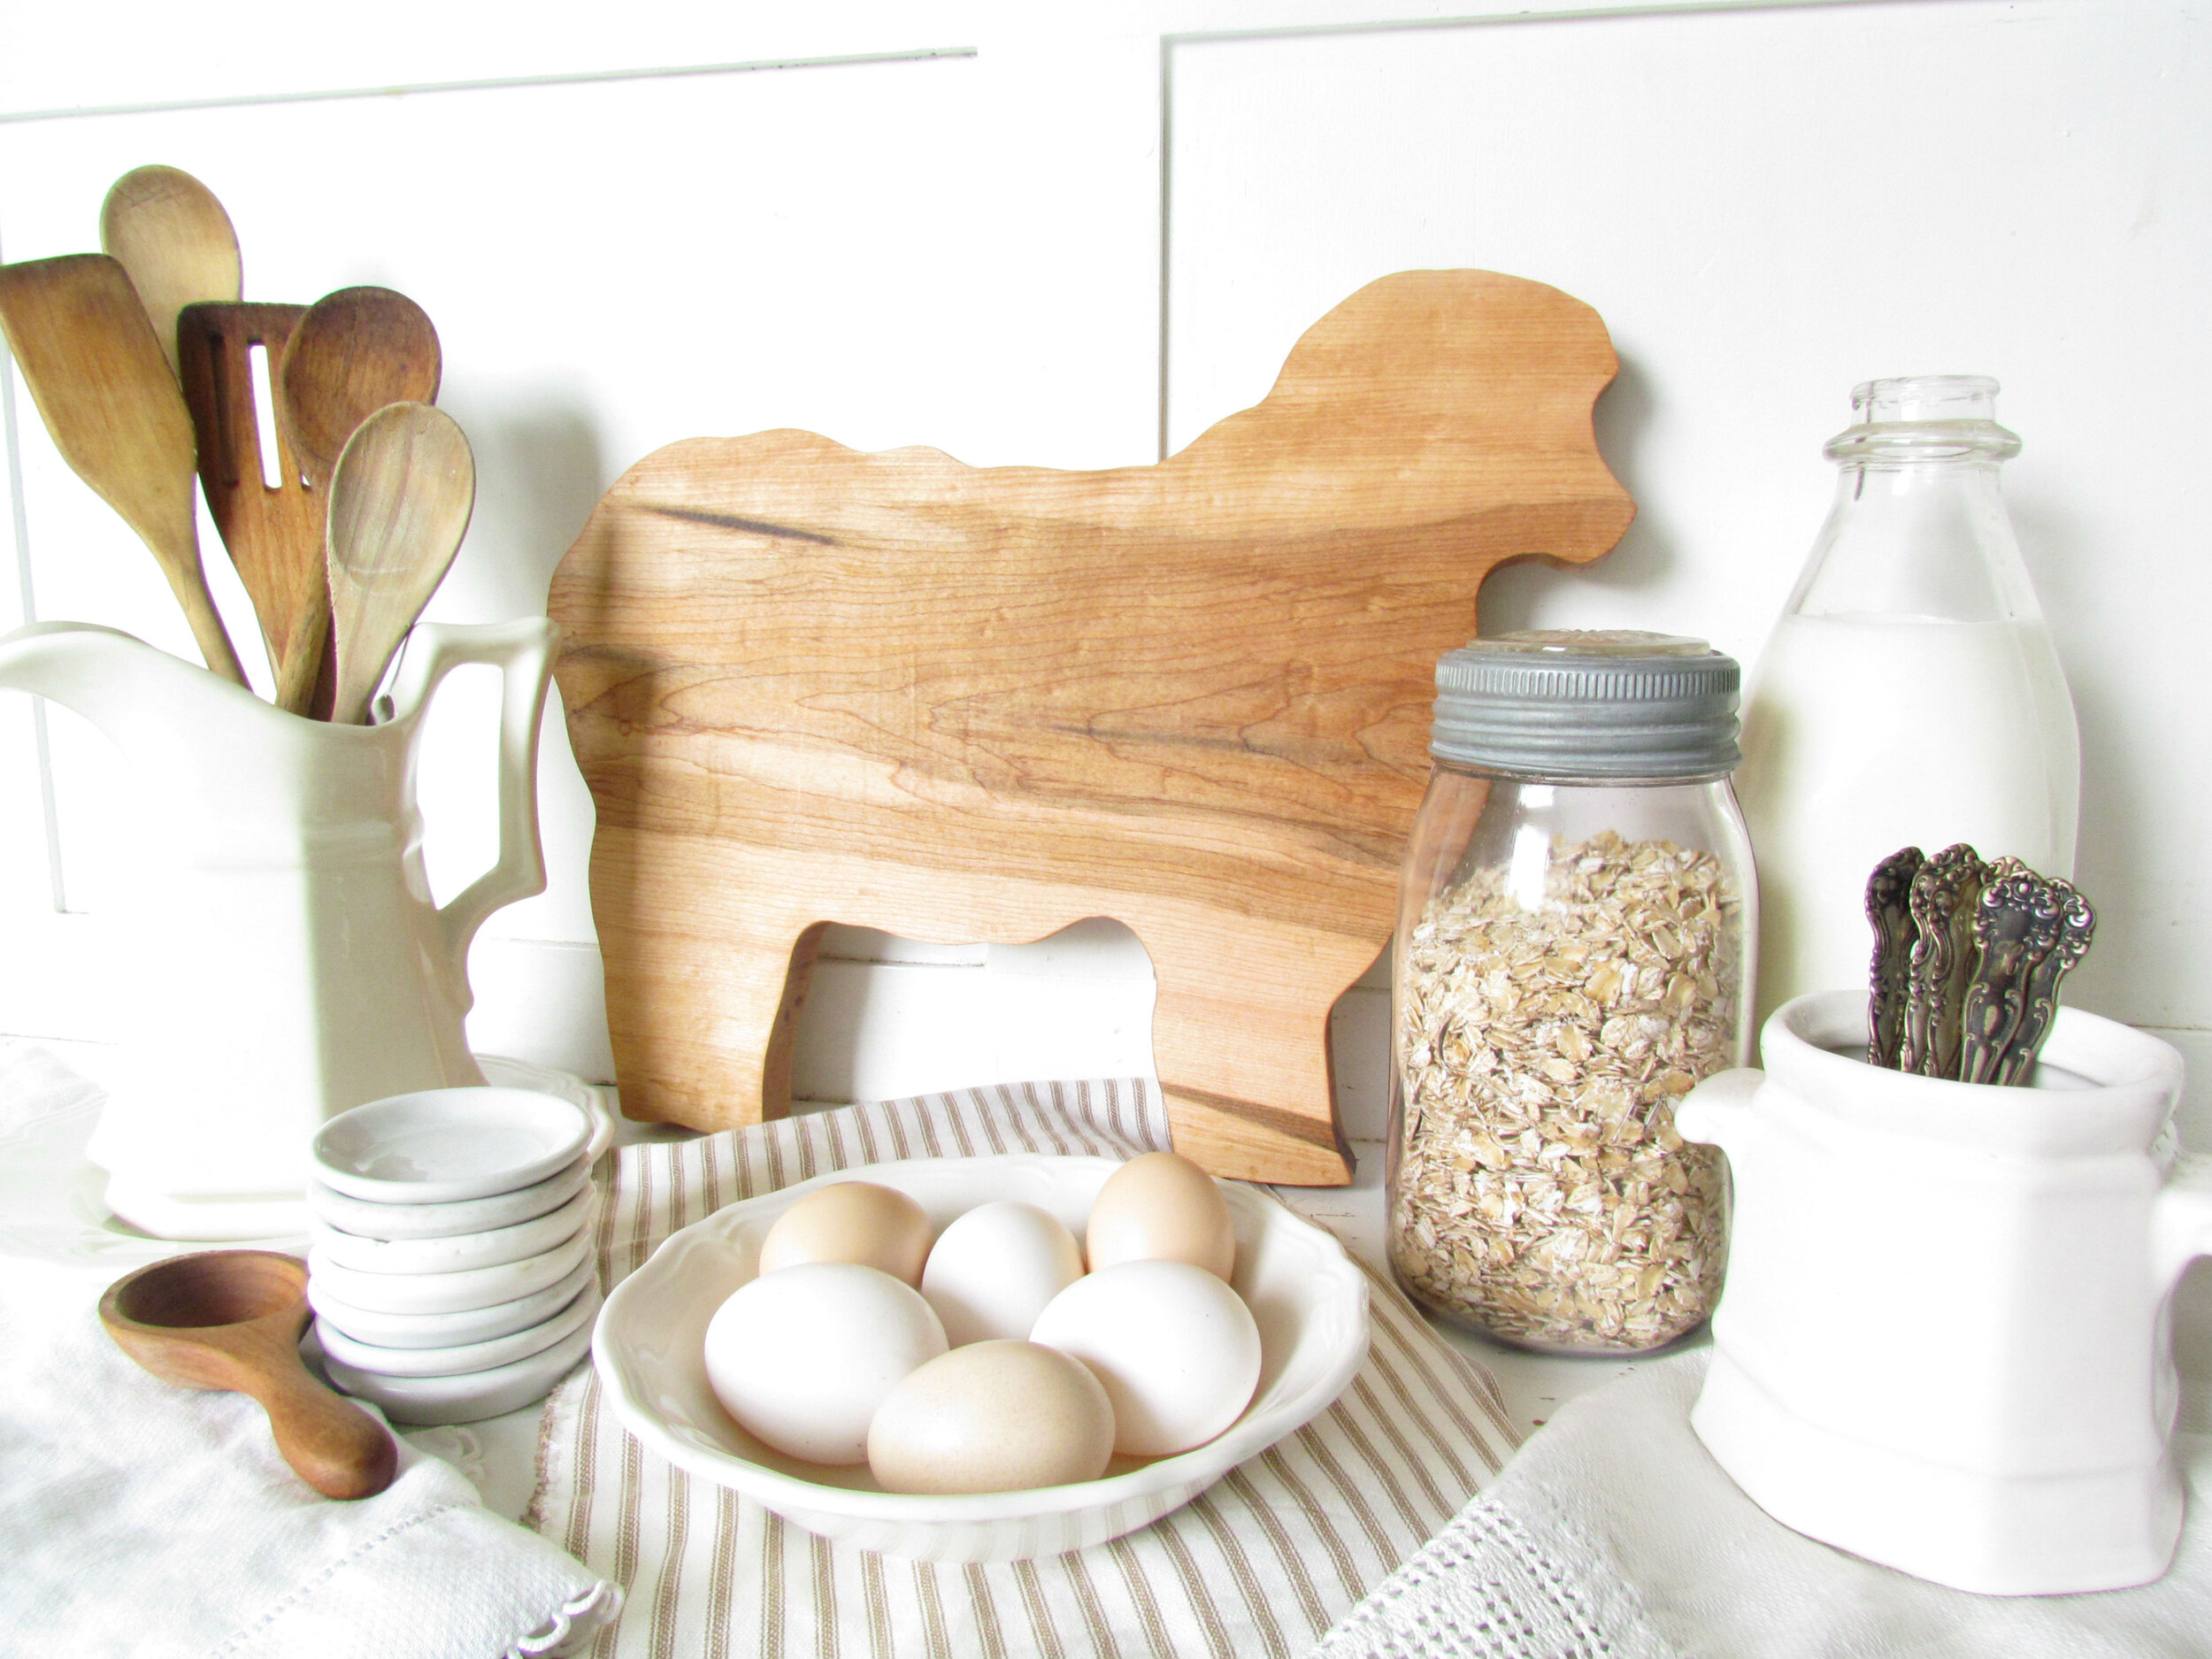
<point x="274" y="532"/>
<point x="400" y="501"/>
<point x="106" y="392"/>
<point x="355" y="351"/>
<point x="231" y="1319"/>
<point x="171" y="234"/>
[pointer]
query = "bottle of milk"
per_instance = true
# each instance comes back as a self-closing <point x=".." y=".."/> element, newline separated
<point x="1910" y="694"/>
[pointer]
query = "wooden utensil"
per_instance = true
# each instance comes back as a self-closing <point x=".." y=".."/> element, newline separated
<point x="274" y="532"/>
<point x="354" y="352"/>
<point x="400" y="501"/>
<point x="106" y="394"/>
<point x="806" y="684"/>
<point x="231" y="1320"/>
<point x="172" y="236"/>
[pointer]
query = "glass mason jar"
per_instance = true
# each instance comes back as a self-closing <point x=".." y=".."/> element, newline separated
<point x="1910" y="694"/>
<point x="1574" y="951"/>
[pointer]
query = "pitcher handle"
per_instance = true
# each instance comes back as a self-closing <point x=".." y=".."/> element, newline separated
<point x="1714" y="1110"/>
<point x="522" y="653"/>
<point x="2181" y="1220"/>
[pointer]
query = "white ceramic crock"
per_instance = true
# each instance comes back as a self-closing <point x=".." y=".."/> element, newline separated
<point x="1944" y="1342"/>
<point x="281" y="959"/>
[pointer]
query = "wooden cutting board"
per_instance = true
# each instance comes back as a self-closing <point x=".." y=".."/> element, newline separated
<point x="807" y="685"/>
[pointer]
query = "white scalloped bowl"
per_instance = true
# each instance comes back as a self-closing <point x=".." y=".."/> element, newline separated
<point x="1307" y="1297"/>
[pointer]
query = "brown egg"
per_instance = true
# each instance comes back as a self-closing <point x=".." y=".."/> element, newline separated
<point x="852" y="1221"/>
<point x="1161" y="1208"/>
<point x="992" y="1417"/>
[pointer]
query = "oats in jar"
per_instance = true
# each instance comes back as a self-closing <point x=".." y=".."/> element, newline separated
<point x="1542" y="1191"/>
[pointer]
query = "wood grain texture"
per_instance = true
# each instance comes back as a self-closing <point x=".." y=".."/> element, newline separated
<point x="112" y="407"/>
<point x="273" y="533"/>
<point x="400" y="501"/>
<point x="169" y="232"/>
<point x="231" y="1320"/>
<point x="806" y="684"/>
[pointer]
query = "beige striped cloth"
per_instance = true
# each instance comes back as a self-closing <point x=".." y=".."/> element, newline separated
<point x="1264" y="1563"/>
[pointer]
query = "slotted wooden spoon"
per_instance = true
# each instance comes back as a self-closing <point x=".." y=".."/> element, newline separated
<point x="106" y="394"/>
<point x="400" y="501"/>
<point x="231" y="1320"/>
<point x="172" y="236"/>
<point x="274" y="530"/>
<point x="355" y="351"/>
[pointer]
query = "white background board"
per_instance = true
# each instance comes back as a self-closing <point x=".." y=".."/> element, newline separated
<point x="1064" y="235"/>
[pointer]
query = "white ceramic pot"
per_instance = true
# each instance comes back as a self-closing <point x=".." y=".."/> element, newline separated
<point x="282" y="959"/>
<point x="1944" y="1343"/>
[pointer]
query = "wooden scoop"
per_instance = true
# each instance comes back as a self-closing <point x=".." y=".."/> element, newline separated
<point x="104" y="388"/>
<point x="274" y="532"/>
<point x="172" y="236"/>
<point x="231" y="1320"/>
<point x="400" y="501"/>
<point x="354" y="352"/>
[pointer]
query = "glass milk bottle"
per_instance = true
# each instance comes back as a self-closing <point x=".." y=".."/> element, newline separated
<point x="1910" y="694"/>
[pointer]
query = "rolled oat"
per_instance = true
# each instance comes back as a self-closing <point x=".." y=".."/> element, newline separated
<point x="1540" y="1190"/>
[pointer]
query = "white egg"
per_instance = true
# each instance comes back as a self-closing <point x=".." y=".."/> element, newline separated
<point x="991" y="1271"/>
<point x="803" y="1357"/>
<point x="1176" y="1348"/>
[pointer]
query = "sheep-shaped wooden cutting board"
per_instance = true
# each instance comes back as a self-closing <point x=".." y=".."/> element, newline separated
<point x="807" y="685"/>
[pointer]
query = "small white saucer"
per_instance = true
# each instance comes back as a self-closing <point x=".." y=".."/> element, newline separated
<point x="450" y="1293"/>
<point x="459" y="1251"/>
<point x="448" y="1330"/>
<point x="440" y="1144"/>
<point x="365" y="1220"/>
<point x="53" y="1199"/>
<point x="453" y="1362"/>
<point x="471" y="1396"/>
<point x="224" y="1220"/>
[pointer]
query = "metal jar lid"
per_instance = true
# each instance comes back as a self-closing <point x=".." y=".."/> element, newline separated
<point x="1601" y="705"/>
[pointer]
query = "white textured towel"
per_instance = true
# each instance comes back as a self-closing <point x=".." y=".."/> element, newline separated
<point x="1615" y="1535"/>
<point x="143" y="1520"/>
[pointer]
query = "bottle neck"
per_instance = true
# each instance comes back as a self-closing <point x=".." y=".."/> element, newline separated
<point x="1916" y="538"/>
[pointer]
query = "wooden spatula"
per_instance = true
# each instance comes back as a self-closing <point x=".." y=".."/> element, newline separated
<point x="172" y="236"/>
<point x="104" y="388"/>
<point x="231" y="1320"/>
<point x="400" y="501"/>
<point x="274" y="532"/>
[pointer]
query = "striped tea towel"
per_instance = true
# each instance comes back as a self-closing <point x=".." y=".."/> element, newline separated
<point x="1264" y="1563"/>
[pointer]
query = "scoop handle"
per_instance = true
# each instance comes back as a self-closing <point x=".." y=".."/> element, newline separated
<point x="331" y="1443"/>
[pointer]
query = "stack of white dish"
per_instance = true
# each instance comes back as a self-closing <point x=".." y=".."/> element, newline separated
<point x="451" y="1268"/>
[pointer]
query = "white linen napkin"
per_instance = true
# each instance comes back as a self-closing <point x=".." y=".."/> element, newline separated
<point x="145" y="1519"/>
<point x="1615" y="1533"/>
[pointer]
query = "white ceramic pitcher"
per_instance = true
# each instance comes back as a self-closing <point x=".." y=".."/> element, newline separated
<point x="1944" y="1343"/>
<point x="281" y="959"/>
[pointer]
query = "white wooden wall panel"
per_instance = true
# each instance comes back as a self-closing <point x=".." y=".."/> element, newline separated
<point x="1767" y="207"/>
<point x="1766" y="202"/>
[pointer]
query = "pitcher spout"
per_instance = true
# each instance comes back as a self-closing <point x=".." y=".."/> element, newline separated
<point x="138" y="696"/>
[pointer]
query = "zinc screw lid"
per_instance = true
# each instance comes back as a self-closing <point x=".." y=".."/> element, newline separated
<point x="1606" y="705"/>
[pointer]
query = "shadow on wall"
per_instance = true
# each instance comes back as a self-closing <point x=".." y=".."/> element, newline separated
<point x="1515" y="593"/>
<point x="540" y="470"/>
<point x="2136" y="955"/>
